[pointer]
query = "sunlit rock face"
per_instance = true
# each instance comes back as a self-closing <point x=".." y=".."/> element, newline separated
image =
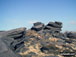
<point x="39" y="41"/>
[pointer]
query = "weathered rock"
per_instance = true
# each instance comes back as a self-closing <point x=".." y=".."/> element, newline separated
<point x="39" y="41"/>
<point x="44" y="49"/>
<point x="68" y="40"/>
<point x="71" y="34"/>
<point x="59" y="23"/>
<point x="17" y="44"/>
<point x="2" y="33"/>
<point x="38" y="26"/>
<point x="59" y="35"/>
<point x="14" y="33"/>
<point x="2" y="46"/>
<point x="14" y="39"/>
<point x="49" y="48"/>
<point x="8" y="40"/>
<point x="5" y="51"/>
<point x="54" y="27"/>
<point x="56" y="24"/>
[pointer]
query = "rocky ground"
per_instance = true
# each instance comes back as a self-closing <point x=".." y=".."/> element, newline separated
<point x="39" y="41"/>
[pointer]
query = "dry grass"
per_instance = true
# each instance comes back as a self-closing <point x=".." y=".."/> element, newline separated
<point x="34" y="48"/>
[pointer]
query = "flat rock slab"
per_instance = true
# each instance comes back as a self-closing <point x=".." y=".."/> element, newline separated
<point x="8" y="53"/>
<point x="3" y="47"/>
<point x="5" y="51"/>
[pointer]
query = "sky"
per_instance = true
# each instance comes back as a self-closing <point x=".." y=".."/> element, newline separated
<point x="23" y="13"/>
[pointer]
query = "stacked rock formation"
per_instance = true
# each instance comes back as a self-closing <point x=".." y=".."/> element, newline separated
<point x="38" y="26"/>
<point x="39" y="41"/>
<point x="70" y="34"/>
<point x="53" y="28"/>
<point x="11" y="40"/>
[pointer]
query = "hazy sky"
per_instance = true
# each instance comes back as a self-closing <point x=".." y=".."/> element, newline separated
<point x="22" y="13"/>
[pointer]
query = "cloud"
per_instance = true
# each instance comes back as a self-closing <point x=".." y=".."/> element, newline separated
<point x="31" y="21"/>
<point x="72" y="22"/>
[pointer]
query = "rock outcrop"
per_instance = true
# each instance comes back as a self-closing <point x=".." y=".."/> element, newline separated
<point x="38" y="26"/>
<point x="11" y="40"/>
<point x="70" y="34"/>
<point x="39" y="41"/>
<point x="5" y="51"/>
